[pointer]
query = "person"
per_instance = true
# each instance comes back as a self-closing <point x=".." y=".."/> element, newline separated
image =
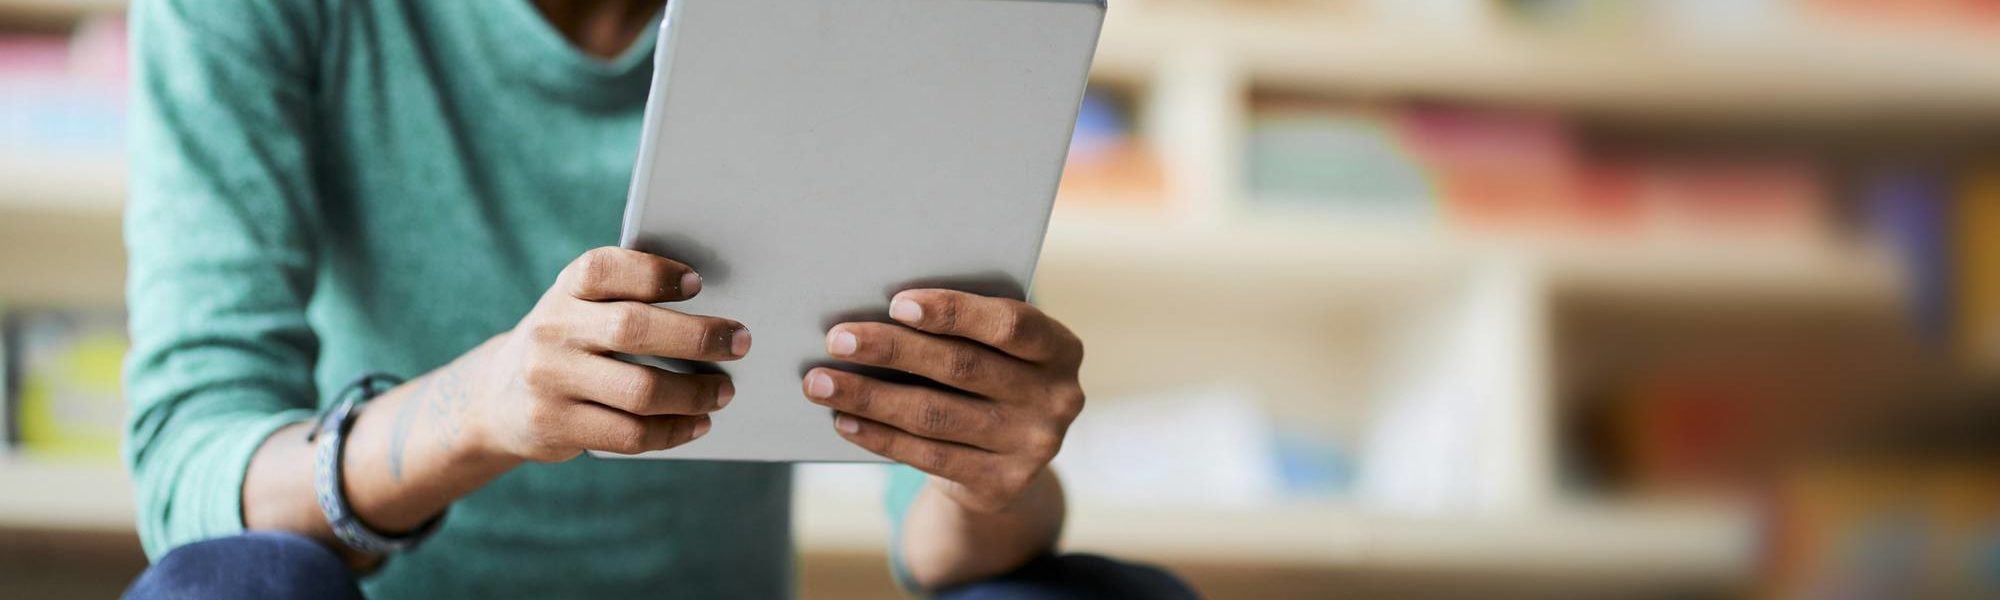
<point x="419" y="189"/>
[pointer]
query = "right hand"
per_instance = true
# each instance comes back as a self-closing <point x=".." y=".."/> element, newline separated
<point x="554" y="391"/>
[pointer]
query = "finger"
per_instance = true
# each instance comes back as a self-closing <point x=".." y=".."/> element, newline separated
<point x="611" y="273"/>
<point x="964" y="464"/>
<point x="647" y="330"/>
<point x="923" y="411"/>
<point x="597" y="427"/>
<point x="643" y="390"/>
<point x="950" y="361"/>
<point x="1012" y="326"/>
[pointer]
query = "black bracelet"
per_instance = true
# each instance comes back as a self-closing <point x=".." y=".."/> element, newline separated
<point x="330" y="437"/>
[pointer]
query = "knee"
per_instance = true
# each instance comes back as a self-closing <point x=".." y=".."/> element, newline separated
<point x="1076" y="576"/>
<point x="252" y="565"/>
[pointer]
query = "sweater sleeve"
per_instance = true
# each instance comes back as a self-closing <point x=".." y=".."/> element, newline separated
<point x="218" y="234"/>
<point x="904" y="485"/>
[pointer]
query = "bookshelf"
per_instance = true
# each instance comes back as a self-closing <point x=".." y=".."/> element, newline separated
<point x="1776" y="71"/>
<point x="1217" y="260"/>
<point x="1780" y="71"/>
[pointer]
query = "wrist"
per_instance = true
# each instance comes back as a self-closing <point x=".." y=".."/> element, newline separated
<point x="480" y="443"/>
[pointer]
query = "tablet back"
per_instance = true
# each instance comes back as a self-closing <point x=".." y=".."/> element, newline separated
<point x="810" y="158"/>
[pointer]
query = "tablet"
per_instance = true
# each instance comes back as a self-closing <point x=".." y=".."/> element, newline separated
<point x="811" y="158"/>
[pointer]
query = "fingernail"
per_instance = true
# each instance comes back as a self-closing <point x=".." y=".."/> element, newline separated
<point x="690" y="284"/>
<point x="905" y="310"/>
<point x="819" y="385"/>
<point x="846" y="424"/>
<point x="739" y="343"/>
<point x="700" y="428"/>
<point x="843" y="343"/>
<point x="724" y="393"/>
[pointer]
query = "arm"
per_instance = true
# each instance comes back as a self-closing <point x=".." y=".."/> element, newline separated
<point x="944" y="543"/>
<point x="222" y="228"/>
<point x="991" y="503"/>
<point x="545" y="392"/>
<point x="221" y="254"/>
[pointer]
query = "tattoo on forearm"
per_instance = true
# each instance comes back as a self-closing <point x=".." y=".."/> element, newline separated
<point x="401" y="433"/>
<point x="446" y="407"/>
<point x="441" y="398"/>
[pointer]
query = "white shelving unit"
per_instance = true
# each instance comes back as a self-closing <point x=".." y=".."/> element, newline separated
<point x="1327" y="301"/>
<point x="42" y="495"/>
<point x="1785" y="71"/>
<point x="1700" y="543"/>
<point x="62" y="184"/>
<point x="1708" y="543"/>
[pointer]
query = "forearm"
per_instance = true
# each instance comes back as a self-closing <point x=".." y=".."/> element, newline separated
<point x="407" y="458"/>
<point x="946" y="544"/>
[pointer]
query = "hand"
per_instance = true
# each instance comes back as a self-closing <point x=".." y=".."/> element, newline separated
<point x="1014" y="371"/>
<point x="557" y="392"/>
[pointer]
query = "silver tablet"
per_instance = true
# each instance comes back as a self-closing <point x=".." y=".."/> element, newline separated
<point x="810" y="158"/>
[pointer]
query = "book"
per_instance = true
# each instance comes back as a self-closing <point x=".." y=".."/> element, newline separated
<point x="67" y="401"/>
<point x="1495" y="169"/>
<point x="1766" y="199"/>
<point x="1107" y="163"/>
<point x="1339" y="158"/>
<point x="7" y="387"/>
<point x="1978" y="270"/>
<point x="1908" y="211"/>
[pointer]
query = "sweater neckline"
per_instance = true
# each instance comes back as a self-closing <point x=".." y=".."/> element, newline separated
<point x="538" y="51"/>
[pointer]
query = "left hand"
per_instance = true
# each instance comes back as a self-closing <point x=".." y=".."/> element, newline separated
<point x="1013" y="371"/>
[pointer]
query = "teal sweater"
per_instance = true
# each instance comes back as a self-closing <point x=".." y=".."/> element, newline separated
<point x="323" y="188"/>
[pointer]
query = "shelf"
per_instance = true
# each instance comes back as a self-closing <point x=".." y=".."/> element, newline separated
<point x="1242" y="266"/>
<point x="91" y="184"/>
<point x="1796" y="72"/>
<point x="55" y="12"/>
<point x="41" y="495"/>
<point x="1279" y="261"/>
<point x="1300" y="262"/>
<point x="1659" y="541"/>
<point x="1709" y="544"/>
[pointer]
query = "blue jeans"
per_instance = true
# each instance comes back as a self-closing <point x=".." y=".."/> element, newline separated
<point x="283" y="565"/>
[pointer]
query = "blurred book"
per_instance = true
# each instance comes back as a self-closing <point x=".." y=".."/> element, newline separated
<point x="1690" y="432"/>
<point x="1575" y="15"/>
<point x="65" y="94"/>
<point x="1108" y="165"/>
<point x="1906" y="507"/>
<point x="1447" y="14"/>
<point x="1343" y="159"/>
<point x="1311" y="464"/>
<point x="1495" y="169"/>
<point x="1978" y="270"/>
<point x="1735" y="20"/>
<point x="1909" y="211"/>
<point x="1763" y="199"/>
<point x="1608" y="201"/>
<point x="1926" y="16"/>
<point x="8" y="387"/>
<point x="67" y="403"/>
<point x="1206" y="448"/>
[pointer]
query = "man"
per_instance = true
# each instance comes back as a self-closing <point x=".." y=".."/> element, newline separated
<point x="329" y="188"/>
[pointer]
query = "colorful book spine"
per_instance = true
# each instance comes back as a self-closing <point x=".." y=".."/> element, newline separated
<point x="68" y="405"/>
<point x="1909" y="211"/>
<point x="1978" y="250"/>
